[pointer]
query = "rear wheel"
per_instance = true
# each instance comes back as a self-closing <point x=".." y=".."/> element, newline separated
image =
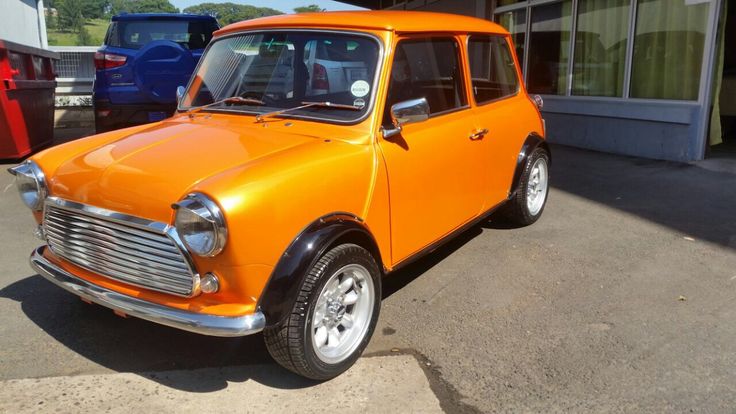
<point x="527" y="205"/>
<point x="333" y="317"/>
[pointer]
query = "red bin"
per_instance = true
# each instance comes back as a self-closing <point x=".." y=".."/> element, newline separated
<point x="27" y="84"/>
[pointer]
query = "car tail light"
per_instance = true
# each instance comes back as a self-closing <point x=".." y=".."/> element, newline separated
<point x="108" y="60"/>
<point x="319" y="78"/>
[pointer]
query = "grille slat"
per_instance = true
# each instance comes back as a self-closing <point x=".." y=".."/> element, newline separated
<point x="75" y="232"/>
<point x="138" y="256"/>
<point x="113" y="272"/>
<point x="107" y="256"/>
<point x="80" y="226"/>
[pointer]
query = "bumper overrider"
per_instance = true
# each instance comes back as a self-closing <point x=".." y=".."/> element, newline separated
<point x="189" y="321"/>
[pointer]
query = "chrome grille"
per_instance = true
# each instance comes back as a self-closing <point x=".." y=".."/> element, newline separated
<point x="128" y="249"/>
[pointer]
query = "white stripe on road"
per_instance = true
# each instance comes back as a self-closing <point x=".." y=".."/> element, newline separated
<point x="390" y="384"/>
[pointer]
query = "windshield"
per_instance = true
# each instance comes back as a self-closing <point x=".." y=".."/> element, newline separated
<point x="285" y="69"/>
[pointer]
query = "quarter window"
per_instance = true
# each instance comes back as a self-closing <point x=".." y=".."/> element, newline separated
<point x="427" y="68"/>
<point x="492" y="68"/>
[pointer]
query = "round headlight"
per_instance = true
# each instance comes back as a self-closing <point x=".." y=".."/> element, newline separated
<point x="31" y="184"/>
<point x="200" y="224"/>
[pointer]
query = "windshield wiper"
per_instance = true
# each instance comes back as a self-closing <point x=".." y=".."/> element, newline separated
<point x="325" y="104"/>
<point x="233" y="100"/>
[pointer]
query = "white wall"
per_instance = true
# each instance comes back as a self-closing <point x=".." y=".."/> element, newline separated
<point x="22" y="21"/>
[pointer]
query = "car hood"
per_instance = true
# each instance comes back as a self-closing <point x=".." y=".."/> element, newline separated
<point x="143" y="173"/>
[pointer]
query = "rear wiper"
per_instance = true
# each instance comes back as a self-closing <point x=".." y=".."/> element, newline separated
<point x="325" y="104"/>
<point x="233" y="100"/>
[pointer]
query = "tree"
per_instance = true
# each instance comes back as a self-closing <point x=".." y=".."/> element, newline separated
<point x="227" y="13"/>
<point x="141" y="6"/>
<point x="308" y="9"/>
<point x="83" y="37"/>
<point x="71" y="17"/>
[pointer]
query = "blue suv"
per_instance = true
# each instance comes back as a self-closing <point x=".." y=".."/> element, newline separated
<point x="143" y="59"/>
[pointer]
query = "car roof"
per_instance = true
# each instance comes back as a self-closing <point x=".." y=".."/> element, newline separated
<point x="160" y="16"/>
<point x="399" y="21"/>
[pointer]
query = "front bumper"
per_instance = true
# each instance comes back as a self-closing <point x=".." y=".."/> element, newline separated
<point x="189" y="321"/>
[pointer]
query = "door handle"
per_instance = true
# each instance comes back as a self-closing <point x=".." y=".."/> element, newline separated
<point x="478" y="134"/>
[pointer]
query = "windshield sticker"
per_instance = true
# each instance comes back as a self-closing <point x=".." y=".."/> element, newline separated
<point x="360" y="88"/>
<point x="360" y="103"/>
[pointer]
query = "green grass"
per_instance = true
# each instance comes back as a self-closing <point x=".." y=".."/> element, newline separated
<point x="96" y="28"/>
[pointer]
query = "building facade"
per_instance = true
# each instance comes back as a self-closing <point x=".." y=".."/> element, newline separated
<point x="649" y="78"/>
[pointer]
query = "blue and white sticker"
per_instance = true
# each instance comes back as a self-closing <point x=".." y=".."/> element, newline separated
<point x="360" y="88"/>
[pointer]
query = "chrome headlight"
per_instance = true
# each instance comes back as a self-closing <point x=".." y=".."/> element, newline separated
<point x="31" y="184"/>
<point x="200" y="224"/>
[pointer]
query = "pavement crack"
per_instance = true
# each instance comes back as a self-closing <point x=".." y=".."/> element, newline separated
<point x="451" y="400"/>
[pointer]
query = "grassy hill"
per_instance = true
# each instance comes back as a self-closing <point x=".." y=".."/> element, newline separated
<point x="96" y="28"/>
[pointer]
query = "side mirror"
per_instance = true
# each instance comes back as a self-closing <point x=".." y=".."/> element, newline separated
<point x="180" y="91"/>
<point x="407" y="112"/>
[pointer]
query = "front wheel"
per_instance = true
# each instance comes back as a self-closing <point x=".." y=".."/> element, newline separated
<point x="526" y="206"/>
<point x="333" y="317"/>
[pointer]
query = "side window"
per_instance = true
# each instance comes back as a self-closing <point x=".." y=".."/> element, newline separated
<point x="492" y="68"/>
<point x="427" y="68"/>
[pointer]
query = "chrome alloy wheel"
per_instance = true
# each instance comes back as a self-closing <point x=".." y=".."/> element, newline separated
<point x="536" y="189"/>
<point x="343" y="313"/>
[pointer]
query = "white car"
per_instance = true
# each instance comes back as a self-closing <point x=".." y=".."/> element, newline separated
<point x="333" y="65"/>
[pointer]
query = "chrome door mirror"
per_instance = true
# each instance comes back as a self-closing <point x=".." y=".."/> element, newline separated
<point x="407" y="112"/>
<point x="180" y="91"/>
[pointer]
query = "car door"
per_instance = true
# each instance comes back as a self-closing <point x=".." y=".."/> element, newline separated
<point x="499" y="110"/>
<point x="435" y="171"/>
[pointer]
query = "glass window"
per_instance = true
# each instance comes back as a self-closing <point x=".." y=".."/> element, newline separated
<point x="427" y="68"/>
<point x="515" y="23"/>
<point x="492" y="68"/>
<point x="285" y="69"/>
<point x="135" y="34"/>
<point x="549" y="48"/>
<point x="600" y="47"/>
<point x="500" y="3"/>
<point x="668" y="49"/>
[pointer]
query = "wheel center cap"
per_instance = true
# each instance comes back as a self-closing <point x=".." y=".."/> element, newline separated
<point x="335" y="311"/>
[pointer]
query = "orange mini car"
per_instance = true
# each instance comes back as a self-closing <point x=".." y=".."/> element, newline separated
<point x="310" y="156"/>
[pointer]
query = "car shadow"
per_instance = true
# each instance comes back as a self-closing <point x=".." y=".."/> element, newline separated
<point x="694" y="201"/>
<point x="171" y="356"/>
<point x="405" y="275"/>
<point x="142" y="347"/>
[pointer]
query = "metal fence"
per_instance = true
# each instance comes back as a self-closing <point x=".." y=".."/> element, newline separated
<point x="75" y="74"/>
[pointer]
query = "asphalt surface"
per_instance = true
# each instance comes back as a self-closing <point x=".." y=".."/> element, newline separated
<point x="620" y="299"/>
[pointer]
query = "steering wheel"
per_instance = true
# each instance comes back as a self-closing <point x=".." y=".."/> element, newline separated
<point x="269" y="101"/>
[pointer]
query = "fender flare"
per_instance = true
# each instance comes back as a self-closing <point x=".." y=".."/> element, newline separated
<point x="531" y="143"/>
<point x="281" y="290"/>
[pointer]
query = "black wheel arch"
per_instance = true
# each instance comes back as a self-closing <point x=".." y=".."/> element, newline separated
<point x="532" y="141"/>
<point x="281" y="290"/>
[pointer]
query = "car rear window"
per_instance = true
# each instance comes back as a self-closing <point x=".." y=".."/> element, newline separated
<point x="492" y="68"/>
<point x="135" y="34"/>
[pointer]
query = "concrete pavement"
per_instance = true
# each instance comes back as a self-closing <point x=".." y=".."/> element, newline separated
<point x="375" y="385"/>
<point x="618" y="300"/>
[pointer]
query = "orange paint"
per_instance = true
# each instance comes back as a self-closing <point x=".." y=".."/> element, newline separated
<point x="273" y="179"/>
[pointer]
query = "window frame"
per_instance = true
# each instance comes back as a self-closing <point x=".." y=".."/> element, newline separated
<point x="519" y="75"/>
<point x="461" y="58"/>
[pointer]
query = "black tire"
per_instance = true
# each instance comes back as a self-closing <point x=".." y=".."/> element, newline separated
<point x="516" y="210"/>
<point x="290" y="342"/>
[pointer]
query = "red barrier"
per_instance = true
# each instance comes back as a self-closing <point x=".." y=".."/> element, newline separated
<point x="27" y="84"/>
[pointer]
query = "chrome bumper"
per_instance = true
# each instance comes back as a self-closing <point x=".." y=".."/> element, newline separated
<point x="164" y="315"/>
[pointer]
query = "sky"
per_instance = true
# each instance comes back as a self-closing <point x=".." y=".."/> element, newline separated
<point x="285" y="6"/>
